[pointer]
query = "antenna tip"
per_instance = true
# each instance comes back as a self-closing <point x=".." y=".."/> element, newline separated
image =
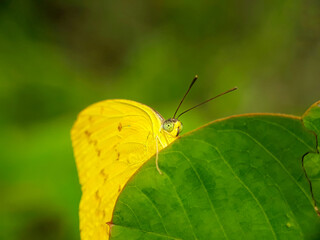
<point x="196" y="76"/>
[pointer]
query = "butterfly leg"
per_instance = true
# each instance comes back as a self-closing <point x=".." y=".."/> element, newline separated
<point x="147" y="143"/>
<point x="157" y="155"/>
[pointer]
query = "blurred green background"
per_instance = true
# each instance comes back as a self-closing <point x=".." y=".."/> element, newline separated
<point x="57" y="57"/>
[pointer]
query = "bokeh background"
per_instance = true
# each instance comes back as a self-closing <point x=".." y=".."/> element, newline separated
<point x="57" y="57"/>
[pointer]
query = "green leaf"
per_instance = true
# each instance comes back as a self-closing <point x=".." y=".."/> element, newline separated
<point x="311" y="120"/>
<point x="236" y="178"/>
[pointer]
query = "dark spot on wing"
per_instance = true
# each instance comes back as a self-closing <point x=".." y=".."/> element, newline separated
<point x="97" y="195"/>
<point x="93" y="142"/>
<point x="98" y="152"/>
<point x="103" y="173"/>
<point x="118" y="157"/>
<point x="87" y="133"/>
<point x="119" y="127"/>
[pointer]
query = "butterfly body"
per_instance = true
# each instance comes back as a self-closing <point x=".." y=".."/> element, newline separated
<point x="111" y="140"/>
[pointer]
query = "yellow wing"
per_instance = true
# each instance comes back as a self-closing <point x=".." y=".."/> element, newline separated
<point x="111" y="140"/>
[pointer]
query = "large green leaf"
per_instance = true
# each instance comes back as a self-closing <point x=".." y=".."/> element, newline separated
<point x="237" y="178"/>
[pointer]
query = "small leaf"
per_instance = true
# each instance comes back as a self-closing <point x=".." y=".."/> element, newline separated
<point x="237" y="178"/>
<point x="312" y="166"/>
<point x="311" y="120"/>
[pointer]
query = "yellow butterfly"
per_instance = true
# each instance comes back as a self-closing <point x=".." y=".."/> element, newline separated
<point x="111" y="140"/>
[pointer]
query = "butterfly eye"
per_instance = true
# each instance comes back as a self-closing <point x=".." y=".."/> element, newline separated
<point x="168" y="126"/>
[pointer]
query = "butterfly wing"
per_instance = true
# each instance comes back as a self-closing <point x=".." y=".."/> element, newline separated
<point x="111" y="140"/>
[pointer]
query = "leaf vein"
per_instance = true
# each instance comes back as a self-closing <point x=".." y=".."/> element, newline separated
<point x="273" y="156"/>
<point x="136" y="217"/>
<point x="180" y="201"/>
<point x="247" y="188"/>
<point x="157" y="234"/>
<point x="153" y="205"/>
<point x="291" y="133"/>
<point x="206" y="190"/>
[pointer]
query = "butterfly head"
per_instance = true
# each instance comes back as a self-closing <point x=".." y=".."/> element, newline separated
<point x="172" y="126"/>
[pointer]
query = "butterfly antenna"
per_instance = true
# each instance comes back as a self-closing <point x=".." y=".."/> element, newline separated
<point x="230" y="90"/>
<point x="193" y="81"/>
